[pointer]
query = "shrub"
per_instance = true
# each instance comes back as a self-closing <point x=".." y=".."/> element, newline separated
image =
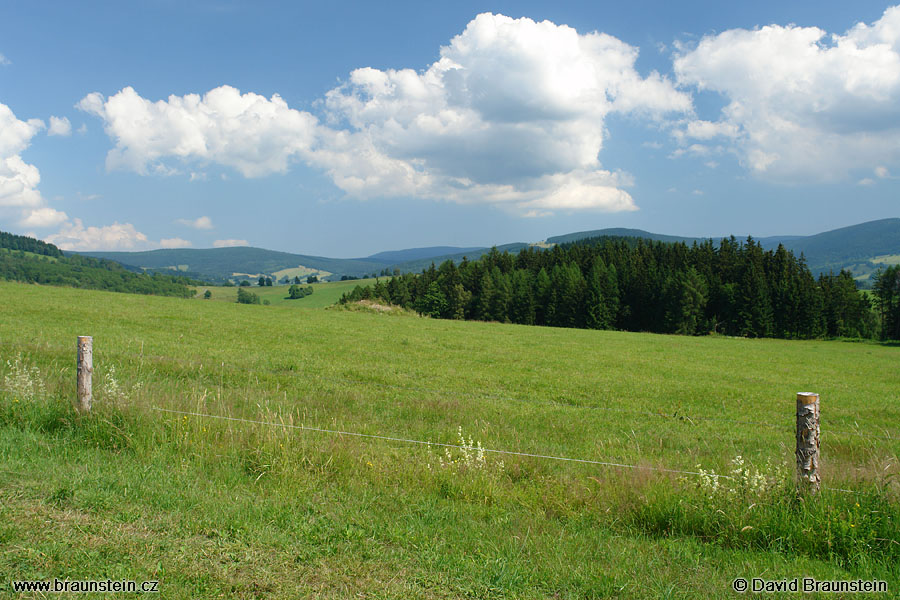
<point x="247" y="297"/>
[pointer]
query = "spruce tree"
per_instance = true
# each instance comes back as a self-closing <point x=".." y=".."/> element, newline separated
<point x="611" y="295"/>
<point x="887" y="295"/>
<point x="499" y="302"/>
<point x="596" y="310"/>
<point x="485" y="299"/>
<point x="543" y="287"/>
<point x="522" y="303"/>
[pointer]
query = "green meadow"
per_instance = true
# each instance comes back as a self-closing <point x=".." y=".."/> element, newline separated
<point x="324" y="294"/>
<point x="283" y="500"/>
<point x="887" y="259"/>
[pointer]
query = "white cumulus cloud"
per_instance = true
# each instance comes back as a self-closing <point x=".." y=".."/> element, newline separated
<point x="174" y="243"/>
<point x="43" y="217"/>
<point x="802" y="105"/>
<point x="20" y="198"/>
<point x="512" y="109"/>
<point x="73" y="235"/>
<point x="60" y="126"/>
<point x="203" y="222"/>
<point x="255" y="135"/>
<point x="229" y="243"/>
<point x="18" y="179"/>
<point x="512" y="113"/>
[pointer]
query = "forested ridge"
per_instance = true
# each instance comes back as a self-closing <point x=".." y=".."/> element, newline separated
<point x="29" y="260"/>
<point x="11" y="241"/>
<point x="733" y="288"/>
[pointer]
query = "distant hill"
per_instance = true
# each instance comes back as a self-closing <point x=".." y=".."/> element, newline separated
<point x="859" y="248"/>
<point x="221" y="263"/>
<point x="619" y="232"/>
<point x="414" y="266"/>
<point x="395" y="257"/>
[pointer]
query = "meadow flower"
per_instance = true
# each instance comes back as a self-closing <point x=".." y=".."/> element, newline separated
<point x="23" y="381"/>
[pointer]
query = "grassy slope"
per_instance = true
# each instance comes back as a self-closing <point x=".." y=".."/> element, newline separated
<point x="30" y="254"/>
<point x="215" y="508"/>
<point x="887" y="259"/>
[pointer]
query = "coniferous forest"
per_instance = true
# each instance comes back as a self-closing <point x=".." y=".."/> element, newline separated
<point x="733" y="288"/>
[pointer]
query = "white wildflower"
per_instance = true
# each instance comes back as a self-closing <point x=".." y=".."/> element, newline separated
<point x="23" y="382"/>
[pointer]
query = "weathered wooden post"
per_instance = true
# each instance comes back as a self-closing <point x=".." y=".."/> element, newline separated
<point x="85" y="371"/>
<point x="808" y="441"/>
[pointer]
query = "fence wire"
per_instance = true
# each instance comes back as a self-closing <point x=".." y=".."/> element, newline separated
<point x="460" y="446"/>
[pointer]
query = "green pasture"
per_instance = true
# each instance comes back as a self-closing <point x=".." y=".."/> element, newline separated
<point x="260" y="508"/>
<point x="300" y="271"/>
<point x="324" y="294"/>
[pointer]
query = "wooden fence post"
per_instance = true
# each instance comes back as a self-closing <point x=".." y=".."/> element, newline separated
<point x="808" y="441"/>
<point x="85" y="371"/>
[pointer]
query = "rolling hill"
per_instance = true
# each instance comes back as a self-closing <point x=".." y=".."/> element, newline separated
<point x="619" y="232"/>
<point x="859" y="248"/>
<point x="222" y="263"/>
<point x="394" y="257"/>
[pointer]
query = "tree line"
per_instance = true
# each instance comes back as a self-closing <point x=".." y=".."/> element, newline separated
<point x="634" y="284"/>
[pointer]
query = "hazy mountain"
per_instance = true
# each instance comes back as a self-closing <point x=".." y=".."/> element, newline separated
<point x="394" y="257"/>
<point x="859" y="248"/>
<point x="417" y="265"/>
<point x="619" y="232"/>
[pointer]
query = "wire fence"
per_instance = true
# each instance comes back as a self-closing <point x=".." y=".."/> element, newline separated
<point x="374" y="436"/>
<point x="673" y="415"/>
<point x="482" y="395"/>
<point x="468" y="447"/>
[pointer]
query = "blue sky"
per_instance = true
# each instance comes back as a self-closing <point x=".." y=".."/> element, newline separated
<point x="353" y="128"/>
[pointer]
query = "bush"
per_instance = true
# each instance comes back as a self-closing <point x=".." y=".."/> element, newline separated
<point x="295" y="292"/>
<point x="247" y="297"/>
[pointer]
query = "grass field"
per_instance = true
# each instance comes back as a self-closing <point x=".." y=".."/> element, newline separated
<point x="300" y="271"/>
<point x="324" y="294"/>
<point x="216" y="508"/>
